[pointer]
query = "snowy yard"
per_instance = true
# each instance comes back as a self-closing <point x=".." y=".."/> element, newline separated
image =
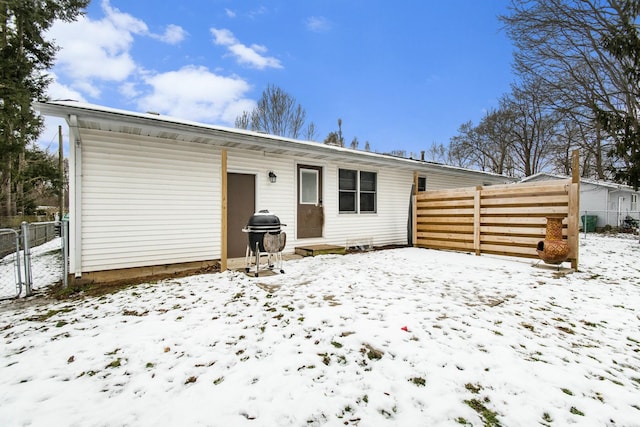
<point x="403" y="337"/>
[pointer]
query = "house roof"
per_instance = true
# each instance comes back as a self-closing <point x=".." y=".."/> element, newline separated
<point x="601" y="183"/>
<point x="90" y="116"/>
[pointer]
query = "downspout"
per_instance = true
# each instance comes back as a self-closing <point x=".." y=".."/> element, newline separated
<point x="75" y="208"/>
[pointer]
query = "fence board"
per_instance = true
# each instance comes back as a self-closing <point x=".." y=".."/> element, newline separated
<point x="445" y="220"/>
<point x="503" y="219"/>
<point x="532" y="200"/>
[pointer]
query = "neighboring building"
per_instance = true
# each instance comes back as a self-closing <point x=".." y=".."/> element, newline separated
<point x="610" y="202"/>
<point x="146" y="191"/>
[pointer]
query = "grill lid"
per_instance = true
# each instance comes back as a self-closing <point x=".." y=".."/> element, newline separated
<point x="263" y="222"/>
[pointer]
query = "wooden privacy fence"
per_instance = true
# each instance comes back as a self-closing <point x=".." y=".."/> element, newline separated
<point x="502" y="219"/>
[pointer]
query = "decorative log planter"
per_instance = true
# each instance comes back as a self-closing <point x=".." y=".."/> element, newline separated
<point x="553" y="249"/>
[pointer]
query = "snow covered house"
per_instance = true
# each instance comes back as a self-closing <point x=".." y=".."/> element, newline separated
<point x="154" y="195"/>
<point x="608" y="203"/>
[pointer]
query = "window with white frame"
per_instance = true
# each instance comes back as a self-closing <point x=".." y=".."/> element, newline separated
<point x="634" y="202"/>
<point x="357" y="191"/>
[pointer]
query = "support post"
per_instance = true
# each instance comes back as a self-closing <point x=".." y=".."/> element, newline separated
<point x="223" y="211"/>
<point x="28" y="279"/>
<point x="414" y="214"/>
<point x="476" y="220"/>
<point x="61" y="173"/>
<point x="64" y="227"/>
<point x="574" y="210"/>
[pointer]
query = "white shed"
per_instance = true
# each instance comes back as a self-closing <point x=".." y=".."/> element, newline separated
<point x="610" y="202"/>
<point x="147" y="191"/>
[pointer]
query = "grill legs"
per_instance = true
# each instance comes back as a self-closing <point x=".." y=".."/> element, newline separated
<point x="252" y="256"/>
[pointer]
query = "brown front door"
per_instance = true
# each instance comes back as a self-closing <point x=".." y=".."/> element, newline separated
<point x="241" y="204"/>
<point x="310" y="210"/>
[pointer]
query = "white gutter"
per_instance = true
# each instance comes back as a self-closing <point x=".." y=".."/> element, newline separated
<point x="75" y="222"/>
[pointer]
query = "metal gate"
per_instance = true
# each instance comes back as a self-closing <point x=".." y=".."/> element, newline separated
<point x="10" y="268"/>
<point x="33" y="258"/>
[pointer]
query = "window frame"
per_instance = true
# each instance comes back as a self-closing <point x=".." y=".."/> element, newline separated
<point x="358" y="192"/>
<point x="317" y="176"/>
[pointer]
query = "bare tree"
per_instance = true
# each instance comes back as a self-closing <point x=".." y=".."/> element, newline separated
<point x="488" y="146"/>
<point x="437" y="153"/>
<point x="563" y="44"/>
<point x="532" y="127"/>
<point x="310" y="132"/>
<point x="276" y="114"/>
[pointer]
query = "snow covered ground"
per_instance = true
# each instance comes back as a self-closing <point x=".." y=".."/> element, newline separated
<point x="404" y="337"/>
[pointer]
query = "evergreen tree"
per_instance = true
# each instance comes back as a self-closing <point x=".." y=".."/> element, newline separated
<point x="623" y="42"/>
<point x="332" y="139"/>
<point x="25" y="56"/>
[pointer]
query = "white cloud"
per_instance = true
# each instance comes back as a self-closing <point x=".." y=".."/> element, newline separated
<point x="318" y="24"/>
<point x="230" y="13"/>
<point x="257" y="12"/>
<point x="223" y="37"/>
<point x="173" y="34"/>
<point x="57" y="90"/>
<point x="129" y="90"/>
<point x="94" y="51"/>
<point x="249" y="55"/>
<point x="197" y="94"/>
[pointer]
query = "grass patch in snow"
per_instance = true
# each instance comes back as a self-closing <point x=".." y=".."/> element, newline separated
<point x="419" y="381"/>
<point x="115" y="363"/>
<point x="372" y="352"/>
<point x="489" y="417"/>
<point x="49" y="314"/>
<point x="576" y="411"/>
<point x="473" y="388"/>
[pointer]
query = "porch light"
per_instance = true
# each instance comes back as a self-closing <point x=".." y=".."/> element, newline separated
<point x="272" y="177"/>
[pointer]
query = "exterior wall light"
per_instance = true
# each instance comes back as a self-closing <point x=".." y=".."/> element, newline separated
<point x="272" y="177"/>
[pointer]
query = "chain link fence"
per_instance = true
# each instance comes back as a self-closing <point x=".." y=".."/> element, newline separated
<point x="33" y="258"/>
<point x="603" y="220"/>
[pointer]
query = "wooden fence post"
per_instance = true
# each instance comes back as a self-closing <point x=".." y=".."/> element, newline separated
<point x="476" y="220"/>
<point x="414" y="213"/>
<point x="574" y="210"/>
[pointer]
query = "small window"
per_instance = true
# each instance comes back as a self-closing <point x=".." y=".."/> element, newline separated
<point x="634" y="202"/>
<point x="308" y="187"/>
<point x="357" y="191"/>
<point x="422" y="183"/>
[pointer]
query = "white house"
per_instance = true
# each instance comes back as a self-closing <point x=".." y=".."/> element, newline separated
<point x="147" y="192"/>
<point x="610" y="202"/>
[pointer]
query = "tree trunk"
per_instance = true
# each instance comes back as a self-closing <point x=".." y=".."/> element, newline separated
<point x="6" y="190"/>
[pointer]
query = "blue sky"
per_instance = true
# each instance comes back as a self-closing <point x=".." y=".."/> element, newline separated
<point x="401" y="75"/>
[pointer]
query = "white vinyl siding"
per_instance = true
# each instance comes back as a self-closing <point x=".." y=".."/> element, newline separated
<point x="388" y="225"/>
<point x="280" y="197"/>
<point x="148" y="201"/>
<point x="442" y="180"/>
